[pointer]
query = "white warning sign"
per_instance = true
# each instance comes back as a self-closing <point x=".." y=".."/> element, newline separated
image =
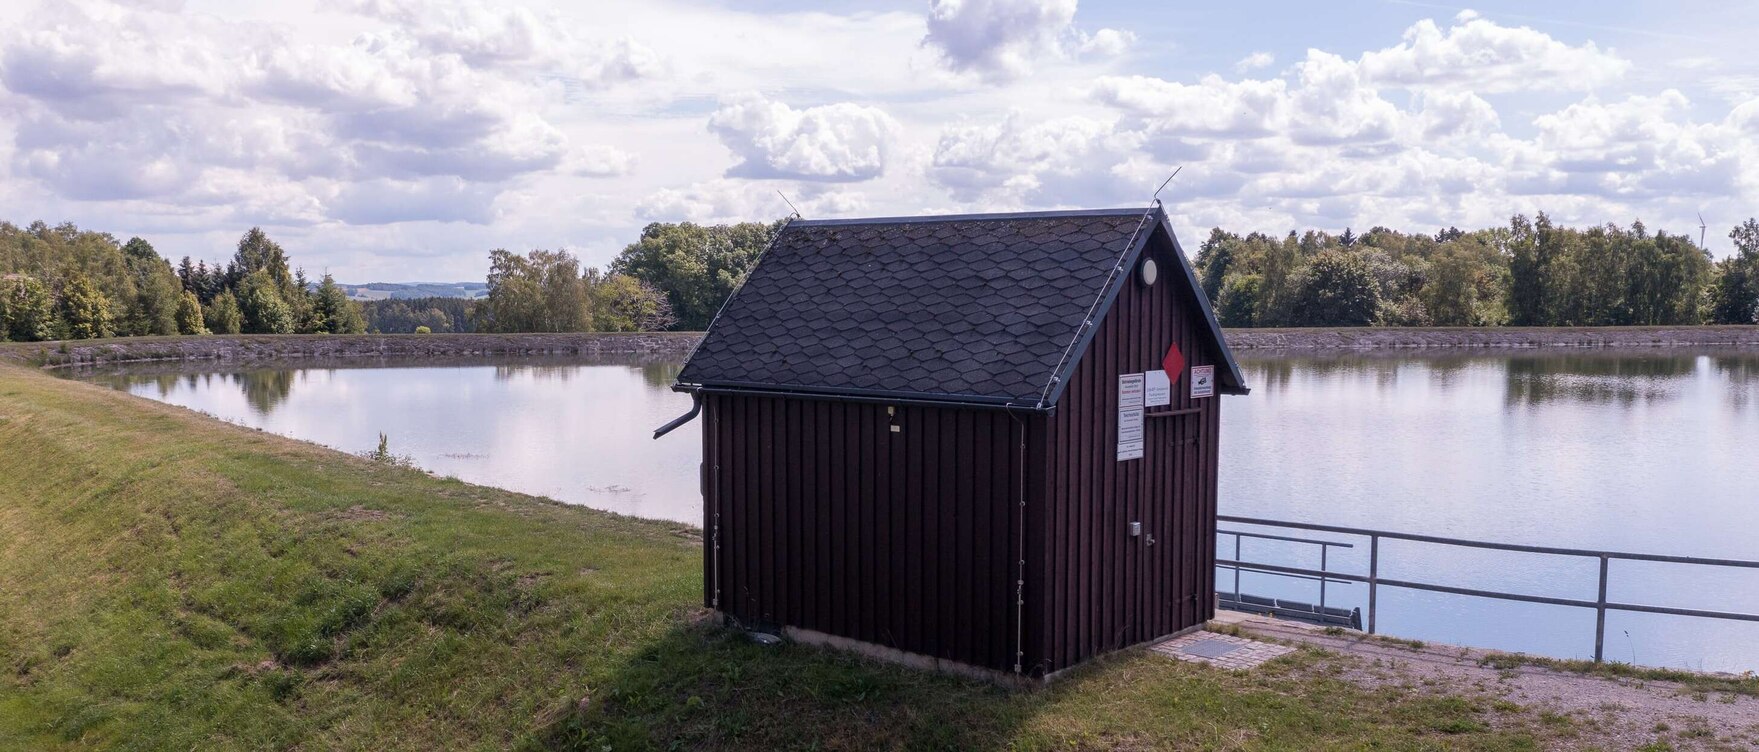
<point x="1130" y="392"/>
<point x="1202" y="381"/>
<point x="1157" y="389"/>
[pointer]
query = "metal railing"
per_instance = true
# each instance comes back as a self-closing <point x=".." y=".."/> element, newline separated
<point x="1374" y="581"/>
<point x="1318" y="613"/>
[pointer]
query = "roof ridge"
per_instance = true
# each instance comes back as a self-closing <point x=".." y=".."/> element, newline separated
<point x="995" y="216"/>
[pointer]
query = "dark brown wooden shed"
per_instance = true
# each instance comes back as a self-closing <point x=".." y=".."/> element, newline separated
<point x="944" y="440"/>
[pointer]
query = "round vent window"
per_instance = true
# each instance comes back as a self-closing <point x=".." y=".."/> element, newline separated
<point x="1150" y="272"/>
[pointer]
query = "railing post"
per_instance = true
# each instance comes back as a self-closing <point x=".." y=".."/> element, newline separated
<point x="1323" y="548"/>
<point x="1600" y="615"/>
<point x="1373" y="577"/>
<point x="1237" y="561"/>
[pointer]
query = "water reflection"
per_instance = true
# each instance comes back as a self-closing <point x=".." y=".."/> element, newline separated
<point x="265" y="389"/>
<point x="571" y="429"/>
<point x="1743" y="377"/>
<point x="1597" y="379"/>
<point x="661" y="375"/>
<point x="1632" y="451"/>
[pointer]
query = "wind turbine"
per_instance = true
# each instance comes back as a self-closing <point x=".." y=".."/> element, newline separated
<point x="1701" y="227"/>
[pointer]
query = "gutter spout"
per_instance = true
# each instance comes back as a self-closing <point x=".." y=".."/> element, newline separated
<point x="695" y="408"/>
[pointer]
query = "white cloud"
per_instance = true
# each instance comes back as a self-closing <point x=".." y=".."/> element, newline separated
<point x="1254" y="62"/>
<point x="743" y="201"/>
<point x="472" y="124"/>
<point x="1018" y="161"/>
<point x="1105" y="42"/>
<point x="380" y="201"/>
<point x="1638" y="146"/>
<point x="492" y="35"/>
<point x="1001" y="40"/>
<point x="1335" y="105"/>
<point x="1211" y="107"/>
<point x="121" y="103"/>
<point x="600" y="162"/>
<point x="1480" y="55"/>
<point x="834" y="142"/>
<point x="98" y="64"/>
<point x="1328" y="103"/>
<point x="1445" y="114"/>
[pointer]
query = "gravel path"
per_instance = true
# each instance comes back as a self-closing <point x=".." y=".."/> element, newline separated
<point x="1604" y="713"/>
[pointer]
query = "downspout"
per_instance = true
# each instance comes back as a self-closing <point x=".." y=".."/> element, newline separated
<point x="1020" y="579"/>
<point x="695" y="409"/>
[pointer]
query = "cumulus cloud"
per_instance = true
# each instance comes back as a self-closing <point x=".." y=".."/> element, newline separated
<point x="95" y="66"/>
<point x="834" y="142"/>
<point x="1640" y="145"/>
<point x="382" y="201"/>
<point x="1334" y="104"/>
<point x="1001" y="40"/>
<point x="490" y="35"/>
<point x="741" y="201"/>
<point x="469" y="123"/>
<point x="1105" y="42"/>
<point x="1445" y="114"/>
<point x="599" y="161"/>
<point x="1019" y="160"/>
<point x="1254" y="62"/>
<point x="1327" y="103"/>
<point x="119" y="102"/>
<point x="1400" y="132"/>
<point x="1211" y="107"/>
<point x="1481" y="55"/>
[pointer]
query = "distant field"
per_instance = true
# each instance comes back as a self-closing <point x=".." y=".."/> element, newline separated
<point x="171" y="582"/>
<point x="407" y="290"/>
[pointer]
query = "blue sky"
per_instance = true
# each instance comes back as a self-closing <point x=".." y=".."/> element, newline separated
<point x="394" y="140"/>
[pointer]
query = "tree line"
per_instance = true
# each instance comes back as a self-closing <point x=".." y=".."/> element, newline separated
<point x="1529" y="273"/>
<point x="675" y="276"/>
<point x="63" y="282"/>
<point x="419" y="315"/>
<point x="66" y="283"/>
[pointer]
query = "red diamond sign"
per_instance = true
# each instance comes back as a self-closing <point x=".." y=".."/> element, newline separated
<point x="1173" y="363"/>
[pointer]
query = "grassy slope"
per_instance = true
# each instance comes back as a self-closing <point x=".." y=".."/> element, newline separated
<point x="171" y="582"/>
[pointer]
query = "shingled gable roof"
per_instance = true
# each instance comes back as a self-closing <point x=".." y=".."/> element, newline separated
<point x="981" y="309"/>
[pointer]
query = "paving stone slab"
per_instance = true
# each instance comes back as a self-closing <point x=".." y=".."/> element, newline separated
<point x="1220" y="650"/>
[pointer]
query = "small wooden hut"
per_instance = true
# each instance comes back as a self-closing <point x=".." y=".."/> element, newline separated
<point x="983" y="443"/>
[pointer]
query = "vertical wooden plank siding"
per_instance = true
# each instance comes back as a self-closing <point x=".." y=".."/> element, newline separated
<point x="830" y="521"/>
<point x="1110" y="590"/>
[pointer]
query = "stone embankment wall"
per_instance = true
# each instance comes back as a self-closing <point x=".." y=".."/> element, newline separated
<point x="1464" y="338"/>
<point x="246" y="348"/>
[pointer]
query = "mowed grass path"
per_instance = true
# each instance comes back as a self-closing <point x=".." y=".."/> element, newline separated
<point x="168" y="581"/>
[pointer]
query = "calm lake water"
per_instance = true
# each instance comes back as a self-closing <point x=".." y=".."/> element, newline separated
<point x="1645" y="452"/>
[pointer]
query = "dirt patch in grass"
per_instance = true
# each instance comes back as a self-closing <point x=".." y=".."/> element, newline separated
<point x="1590" y="705"/>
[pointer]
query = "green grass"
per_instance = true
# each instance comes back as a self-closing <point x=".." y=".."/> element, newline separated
<point x="1742" y="684"/>
<point x="171" y="582"/>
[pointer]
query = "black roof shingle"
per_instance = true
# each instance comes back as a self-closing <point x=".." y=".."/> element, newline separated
<point x="980" y="308"/>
